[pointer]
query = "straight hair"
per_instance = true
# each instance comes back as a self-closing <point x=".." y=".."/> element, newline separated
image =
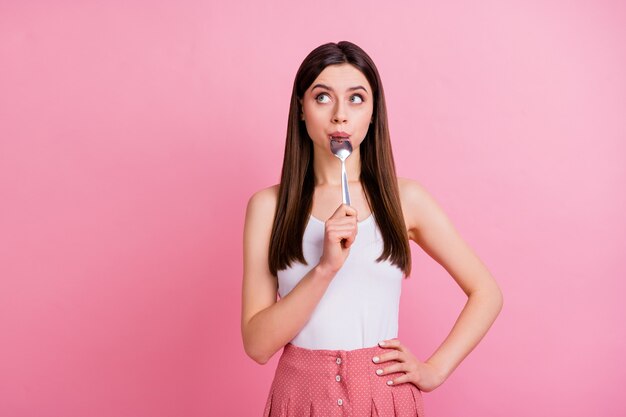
<point x="378" y="172"/>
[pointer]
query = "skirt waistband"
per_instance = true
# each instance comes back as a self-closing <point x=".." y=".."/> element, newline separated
<point x="356" y="353"/>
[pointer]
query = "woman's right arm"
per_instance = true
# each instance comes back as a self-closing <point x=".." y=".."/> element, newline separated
<point x="266" y="324"/>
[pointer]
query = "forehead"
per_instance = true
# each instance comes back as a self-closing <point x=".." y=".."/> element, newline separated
<point x="340" y="77"/>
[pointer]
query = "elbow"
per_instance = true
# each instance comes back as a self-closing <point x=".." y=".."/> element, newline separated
<point x="256" y="356"/>
<point x="262" y="360"/>
<point x="256" y="345"/>
<point x="498" y="300"/>
<point x="254" y="352"/>
<point x="491" y="295"/>
<point x="500" y="297"/>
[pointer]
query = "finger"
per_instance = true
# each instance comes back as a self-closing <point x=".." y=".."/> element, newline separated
<point x="345" y="223"/>
<point x="343" y="232"/>
<point x="396" y="367"/>
<point x="391" y="344"/>
<point x="394" y="355"/>
<point x="337" y="235"/>
<point x="344" y="210"/>
<point x="402" y="379"/>
<point x="349" y="240"/>
<point x="343" y="220"/>
<point x="341" y="225"/>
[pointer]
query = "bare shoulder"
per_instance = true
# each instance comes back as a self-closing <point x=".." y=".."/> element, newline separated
<point x="410" y="191"/>
<point x="263" y="202"/>
<point x="418" y="206"/>
<point x="409" y="187"/>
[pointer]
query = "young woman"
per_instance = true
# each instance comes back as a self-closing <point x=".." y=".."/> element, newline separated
<point x="338" y="268"/>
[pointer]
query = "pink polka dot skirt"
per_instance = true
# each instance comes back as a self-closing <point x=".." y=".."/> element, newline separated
<point x="326" y="383"/>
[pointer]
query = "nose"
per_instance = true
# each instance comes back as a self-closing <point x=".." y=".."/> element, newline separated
<point x="339" y="115"/>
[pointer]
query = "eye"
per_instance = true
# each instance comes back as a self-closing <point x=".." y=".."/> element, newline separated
<point x="358" y="96"/>
<point x="321" y="95"/>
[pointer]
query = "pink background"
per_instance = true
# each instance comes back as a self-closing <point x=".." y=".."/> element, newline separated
<point x="132" y="134"/>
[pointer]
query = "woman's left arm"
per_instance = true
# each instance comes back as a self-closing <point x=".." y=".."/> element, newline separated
<point x="433" y="231"/>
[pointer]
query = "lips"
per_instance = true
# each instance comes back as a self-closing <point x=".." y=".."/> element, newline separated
<point x="339" y="135"/>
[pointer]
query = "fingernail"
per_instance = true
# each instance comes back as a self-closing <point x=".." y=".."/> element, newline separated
<point x="379" y="371"/>
<point x="381" y="343"/>
<point x="389" y="382"/>
<point x="375" y="358"/>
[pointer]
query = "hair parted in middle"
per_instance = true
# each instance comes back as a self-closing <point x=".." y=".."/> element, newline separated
<point x="378" y="173"/>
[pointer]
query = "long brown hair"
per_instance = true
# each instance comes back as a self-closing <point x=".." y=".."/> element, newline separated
<point x="378" y="172"/>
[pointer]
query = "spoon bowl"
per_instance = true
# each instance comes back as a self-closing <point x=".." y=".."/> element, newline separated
<point x="341" y="148"/>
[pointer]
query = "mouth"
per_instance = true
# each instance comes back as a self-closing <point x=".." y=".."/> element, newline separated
<point x="339" y="136"/>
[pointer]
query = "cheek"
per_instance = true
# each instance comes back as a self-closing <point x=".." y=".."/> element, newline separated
<point x="316" y="116"/>
<point x="365" y="118"/>
<point x="315" y="122"/>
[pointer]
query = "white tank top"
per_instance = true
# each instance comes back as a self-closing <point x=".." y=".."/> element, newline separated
<point x="360" y="306"/>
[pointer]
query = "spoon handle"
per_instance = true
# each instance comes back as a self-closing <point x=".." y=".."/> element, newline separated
<point x="344" y="184"/>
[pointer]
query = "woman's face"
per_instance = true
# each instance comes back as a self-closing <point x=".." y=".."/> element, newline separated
<point x="339" y="100"/>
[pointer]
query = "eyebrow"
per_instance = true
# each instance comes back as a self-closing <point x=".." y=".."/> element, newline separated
<point x="358" y="87"/>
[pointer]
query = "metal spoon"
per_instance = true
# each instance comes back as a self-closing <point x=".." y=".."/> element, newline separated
<point x="342" y="148"/>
